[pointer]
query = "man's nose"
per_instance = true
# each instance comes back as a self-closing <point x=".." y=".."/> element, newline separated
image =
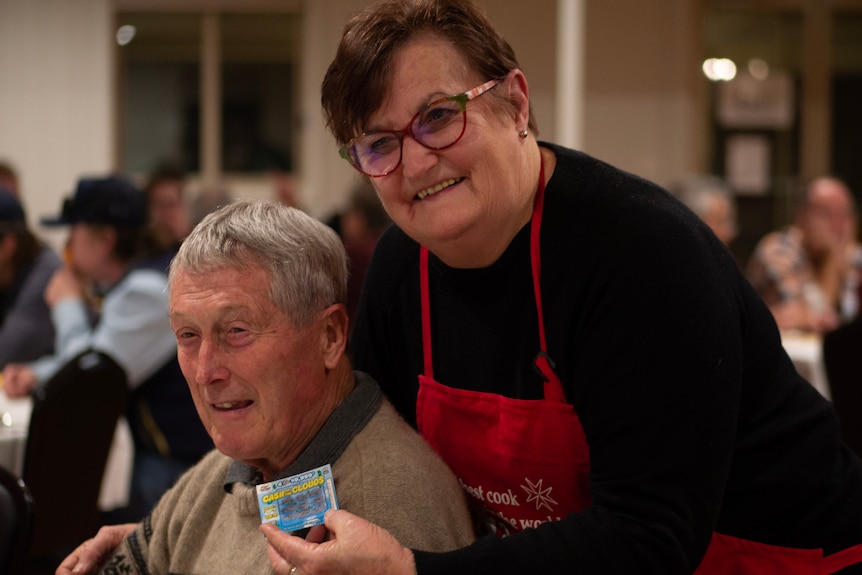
<point x="209" y="365"/>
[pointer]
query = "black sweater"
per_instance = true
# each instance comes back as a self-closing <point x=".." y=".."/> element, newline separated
<point x="695" y="417"/>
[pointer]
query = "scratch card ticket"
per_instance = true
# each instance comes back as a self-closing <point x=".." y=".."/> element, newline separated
<point x="299" y="501"/>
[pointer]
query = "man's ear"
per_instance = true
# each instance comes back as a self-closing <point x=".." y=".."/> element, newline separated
<point x="333" y="333"/>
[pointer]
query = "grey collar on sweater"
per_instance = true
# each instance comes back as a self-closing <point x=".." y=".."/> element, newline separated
<point x="343" y="424"/>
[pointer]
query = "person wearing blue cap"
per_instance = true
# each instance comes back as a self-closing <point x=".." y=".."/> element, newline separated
<point x="111" y="296"/>
<point x="26" y="265"/>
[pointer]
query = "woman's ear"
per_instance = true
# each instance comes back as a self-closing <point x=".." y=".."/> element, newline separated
<point x="518" y="92"/>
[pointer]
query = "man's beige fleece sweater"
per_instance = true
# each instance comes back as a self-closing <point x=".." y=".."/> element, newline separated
<point x="208" y="523"/>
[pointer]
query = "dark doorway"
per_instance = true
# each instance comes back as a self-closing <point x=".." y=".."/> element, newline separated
<point x="847" y="131"/>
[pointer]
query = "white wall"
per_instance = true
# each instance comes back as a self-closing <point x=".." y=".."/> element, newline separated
<point x="324" y="177"/>
<point x="644" y="89"/>
<point x="56" y="81"/>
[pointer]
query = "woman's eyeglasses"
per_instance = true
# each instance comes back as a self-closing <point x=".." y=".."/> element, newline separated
<point x="436" y="126"/>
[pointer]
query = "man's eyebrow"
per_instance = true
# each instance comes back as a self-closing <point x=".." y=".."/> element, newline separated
<point x="221" y="310"/>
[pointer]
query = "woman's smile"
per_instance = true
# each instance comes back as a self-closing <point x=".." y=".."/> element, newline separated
<point x="436" y="188"/>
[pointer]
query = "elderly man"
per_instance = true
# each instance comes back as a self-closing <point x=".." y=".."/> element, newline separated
<point x="808" y="273"/>
<point x="257" y="296"/>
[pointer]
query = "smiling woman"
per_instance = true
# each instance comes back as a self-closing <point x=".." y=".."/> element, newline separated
<point x="464" y="200"/>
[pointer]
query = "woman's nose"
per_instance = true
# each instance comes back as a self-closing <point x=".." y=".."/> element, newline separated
<point x="416" y="158"/>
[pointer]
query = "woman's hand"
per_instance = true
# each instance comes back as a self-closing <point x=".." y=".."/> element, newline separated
<point x="355" y="546"/>
<point x="91" y="555"/>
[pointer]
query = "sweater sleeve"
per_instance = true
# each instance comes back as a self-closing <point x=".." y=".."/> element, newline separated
<point x="130" y="558"/>
<point x="134" y="329"/>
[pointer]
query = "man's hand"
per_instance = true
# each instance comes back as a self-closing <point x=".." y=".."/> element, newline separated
<point x="65" y="283"/>
<point x="91" y="555"/>
<point x="18" y="380"/>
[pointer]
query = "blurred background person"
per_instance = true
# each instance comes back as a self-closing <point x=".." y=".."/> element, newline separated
<point x="712" y="200"/>
<point x="168" y="213"/>
<point x="207" y="200"/>
<point x="284" y="188"/>
<point x="360" y="225"/>
<point x="26" y="265"/>
<point x="9" y="179"/>
<point x="808" y="273"/>
<point x="110" y="256"/>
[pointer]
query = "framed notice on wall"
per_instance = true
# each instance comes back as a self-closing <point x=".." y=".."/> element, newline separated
<point x="748" y="163"/>
<point x="750" y="103"/>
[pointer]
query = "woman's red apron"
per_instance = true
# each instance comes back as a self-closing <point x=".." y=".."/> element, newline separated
<point x="526" y="462"/>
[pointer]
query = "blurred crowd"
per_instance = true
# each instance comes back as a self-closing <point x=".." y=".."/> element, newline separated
<point x="808" y="271"/>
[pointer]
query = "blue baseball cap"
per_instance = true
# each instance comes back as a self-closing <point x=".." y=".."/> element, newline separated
<point x="113" y="201"/>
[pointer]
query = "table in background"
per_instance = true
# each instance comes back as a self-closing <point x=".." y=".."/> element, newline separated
<point x="806" y="351"/>
<point x="14" y="422"/>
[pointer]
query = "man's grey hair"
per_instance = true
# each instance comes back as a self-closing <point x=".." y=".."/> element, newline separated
<point x="305" y="258"/>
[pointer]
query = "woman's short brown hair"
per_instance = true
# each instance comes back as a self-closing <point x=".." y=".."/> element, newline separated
<point x="358" y="78"/>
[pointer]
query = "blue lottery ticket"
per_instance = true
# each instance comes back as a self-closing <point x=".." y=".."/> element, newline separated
<point x="299" y="501"/>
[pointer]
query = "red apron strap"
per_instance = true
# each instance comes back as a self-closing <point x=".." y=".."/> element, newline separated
<point x="543" y="363"/>
<point x="838" y="561"/>
<point x="536" y="255"/>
